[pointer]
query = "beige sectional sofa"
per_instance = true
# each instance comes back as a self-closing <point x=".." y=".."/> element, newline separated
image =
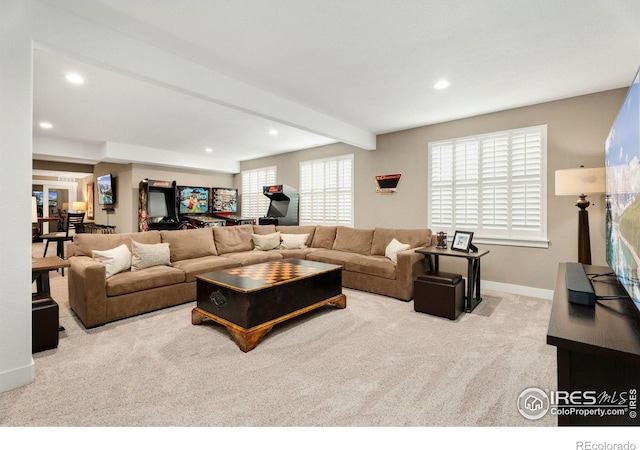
<point x="162" y="277"/>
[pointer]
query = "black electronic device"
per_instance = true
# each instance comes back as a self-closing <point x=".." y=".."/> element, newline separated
<point x="579" y="288"/>
<point x="622" y="152"/>
<point x="106" y="190"/>
<point x="157" y="208"/>
<point x="194" y="200"/>
<point x="283" y="207"/>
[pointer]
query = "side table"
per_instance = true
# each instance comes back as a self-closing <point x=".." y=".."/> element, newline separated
<point x="45" y="319"/>
<point x="40" y="268"/>
<point x="473" y="298"/>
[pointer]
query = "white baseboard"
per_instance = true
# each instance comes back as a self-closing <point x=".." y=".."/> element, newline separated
<point x="529" y="291"/>
<point x="17" y="377"/>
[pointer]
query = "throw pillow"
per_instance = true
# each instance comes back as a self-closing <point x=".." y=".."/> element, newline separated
<point x="266" y="241"/>
<point x="293" y="241"/>
<point x="394" y="248"/>
<point x="115" y="260"/>
<point x="149" y="255"/>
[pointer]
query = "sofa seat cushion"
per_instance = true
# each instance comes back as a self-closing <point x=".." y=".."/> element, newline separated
<point x="331" y="256"/>
<point x="140" y="280"/>
<point x="204" y="264"/>
<point x="372" y="265"/>
<point x="254" y="256"/>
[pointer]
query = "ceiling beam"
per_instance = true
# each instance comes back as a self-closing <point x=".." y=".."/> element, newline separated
<point x="55" y="30"/>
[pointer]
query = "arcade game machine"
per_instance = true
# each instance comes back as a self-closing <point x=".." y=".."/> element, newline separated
<point x="157" y="206"/>
<point x="225" y="206"/>
<point x="283" y="208"/>
<point x="195" y="208"/>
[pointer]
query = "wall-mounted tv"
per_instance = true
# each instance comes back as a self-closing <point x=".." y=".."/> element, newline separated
<point x="193" y="200"/>
<point x="225" y="200"/>
<point x="38" y="195"/>
<point x="106" y="190"/>
<point x="622" y="168"/>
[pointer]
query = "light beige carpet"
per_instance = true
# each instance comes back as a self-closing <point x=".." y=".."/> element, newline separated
<point x="375" y="363"/>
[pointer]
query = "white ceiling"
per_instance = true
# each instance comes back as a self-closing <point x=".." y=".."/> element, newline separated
<point x="370" y="64"/>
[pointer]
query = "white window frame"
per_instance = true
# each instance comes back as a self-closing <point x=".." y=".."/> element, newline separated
<point x="254" y="203"/>
<point x="326" y="191"/>
<point x="456" y="178"/>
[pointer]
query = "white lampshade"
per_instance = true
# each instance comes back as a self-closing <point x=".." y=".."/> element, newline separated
<point x="34" y="210"/>
<point x="580" y="181"/>
<point x="79" y="206"/>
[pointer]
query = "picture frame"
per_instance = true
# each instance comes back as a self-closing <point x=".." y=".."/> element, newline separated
<point x="90" y="201"/>
<point x="462" y="241"/>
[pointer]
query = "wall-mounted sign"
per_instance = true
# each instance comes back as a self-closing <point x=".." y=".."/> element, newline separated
<point x="387" y="184"/>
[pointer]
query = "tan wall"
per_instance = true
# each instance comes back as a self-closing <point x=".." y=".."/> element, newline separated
<point x="577" y="129"/>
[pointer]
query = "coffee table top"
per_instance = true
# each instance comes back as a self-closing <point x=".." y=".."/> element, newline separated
<point x="263" y="275"/>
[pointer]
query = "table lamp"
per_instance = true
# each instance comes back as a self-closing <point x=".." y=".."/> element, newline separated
<point x="79" y="206"/>
<point x="581" y="182"/>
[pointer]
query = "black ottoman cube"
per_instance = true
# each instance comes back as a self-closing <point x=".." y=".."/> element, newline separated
<point x="44" y="324"/>
<point x="439" y="293"/>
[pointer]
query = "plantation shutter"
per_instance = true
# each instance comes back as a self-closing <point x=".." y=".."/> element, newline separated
<point x="493" y="185"/>
<point x="326" y="191"/>
<point x="254" y="202"/>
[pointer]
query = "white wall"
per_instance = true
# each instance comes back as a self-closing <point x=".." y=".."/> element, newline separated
<point x="16" y="363"/>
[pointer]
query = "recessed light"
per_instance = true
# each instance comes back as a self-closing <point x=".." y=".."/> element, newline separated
<point x="208" y="150"/>
<point x="273" y="132"/>
<point x="46" y="125"/>
<point x="74" y="78"/>
<point x="442" y="84"/>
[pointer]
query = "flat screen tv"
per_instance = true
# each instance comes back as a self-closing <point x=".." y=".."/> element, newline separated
<point x="225" y="200"/>
<point x="106" y="190"/>
<point x="622" y="168"/>
<point x="38" y="195"/>
<point x="193" y="200"/>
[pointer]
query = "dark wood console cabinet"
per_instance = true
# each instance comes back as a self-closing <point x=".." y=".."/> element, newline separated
<point x="598" y="348"/>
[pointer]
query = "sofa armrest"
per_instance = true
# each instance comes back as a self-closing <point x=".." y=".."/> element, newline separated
<point x="410" y="264"/>
<point x="88" y="290"/>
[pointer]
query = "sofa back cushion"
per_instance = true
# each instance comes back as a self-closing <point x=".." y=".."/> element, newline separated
<point x="264" y="229"/>
<point x="188" y="244"/>
<point x="85" y="243"/>
<point x="324" y="237"/>
<point x="355" y="240"/>
<point x="147" y="237"/>
<point x="233" y="239"/>
<point x="298" y="229"/>
<point x="419" y="237"/>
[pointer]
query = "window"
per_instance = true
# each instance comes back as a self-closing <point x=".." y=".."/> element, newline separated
<point x="254" y="202"/>
<point x="326" y="191"/>
<point x="492" y="184"/>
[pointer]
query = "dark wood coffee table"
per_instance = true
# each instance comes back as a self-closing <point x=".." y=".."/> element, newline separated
<point x="250" y="300"/>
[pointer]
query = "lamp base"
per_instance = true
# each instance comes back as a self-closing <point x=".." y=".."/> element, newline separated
<point x="584" y="240"/>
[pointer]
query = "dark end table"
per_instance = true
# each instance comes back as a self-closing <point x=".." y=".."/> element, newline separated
<point x="473" y="298"/>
